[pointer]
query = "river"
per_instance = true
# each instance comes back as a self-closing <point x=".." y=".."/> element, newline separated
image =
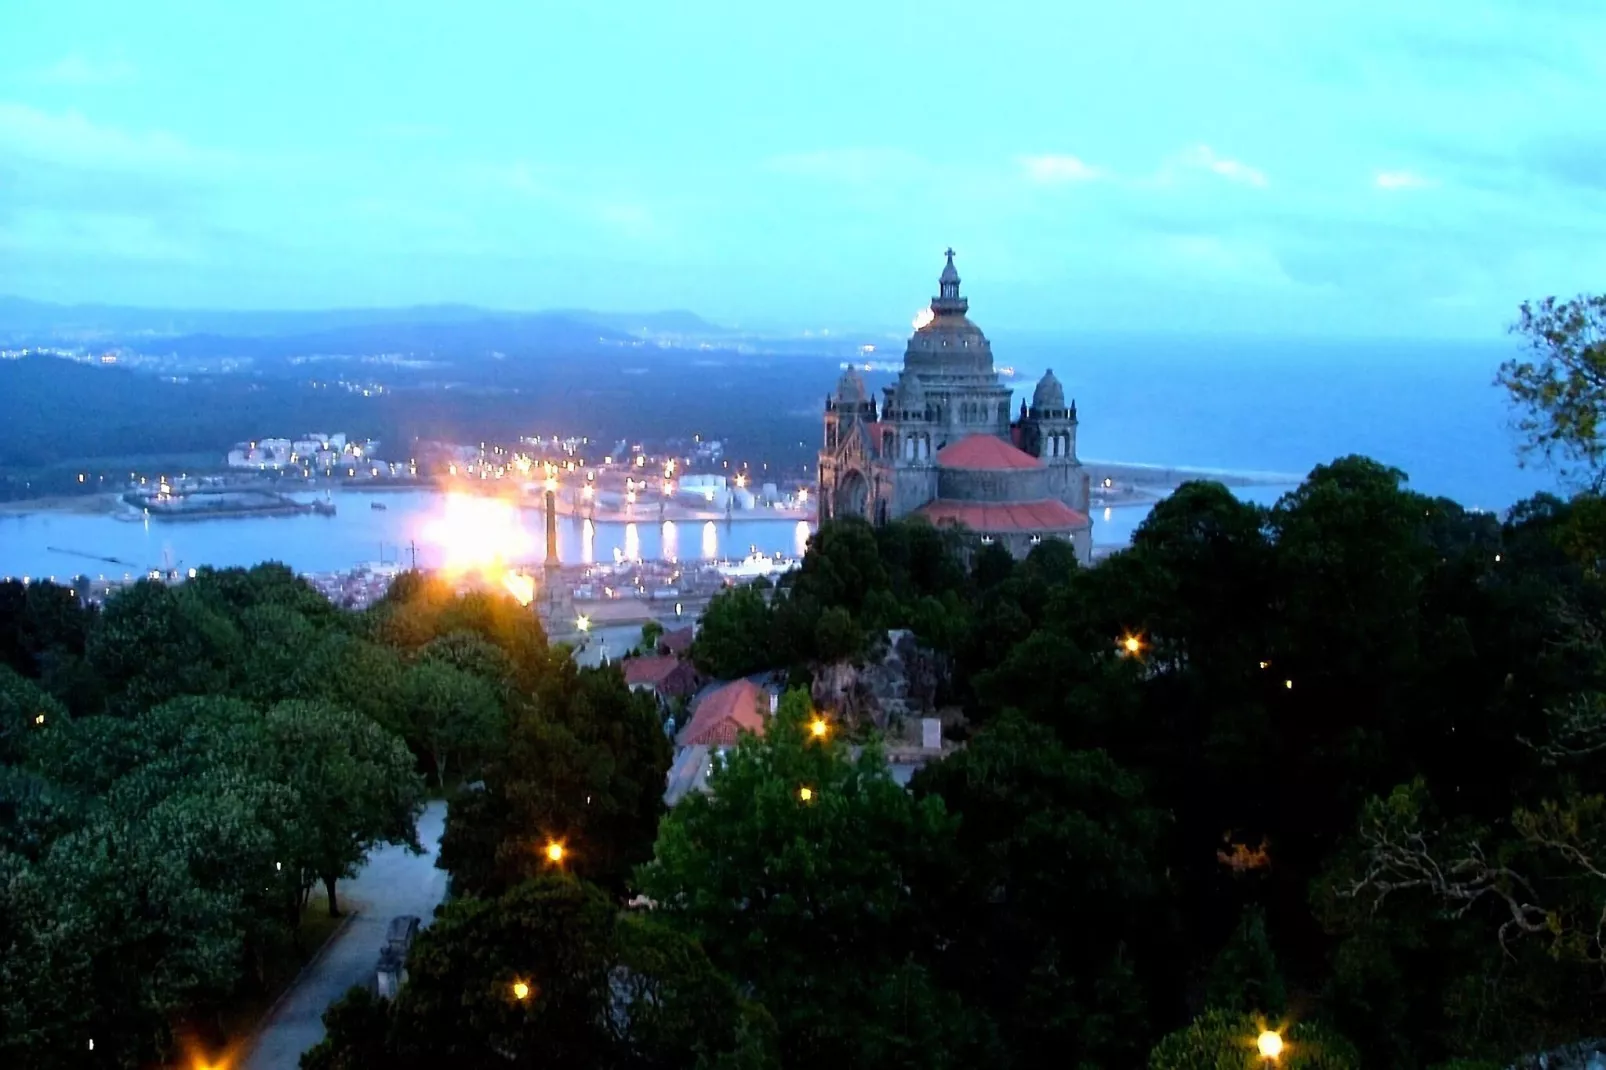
<point x="62" y="544"/>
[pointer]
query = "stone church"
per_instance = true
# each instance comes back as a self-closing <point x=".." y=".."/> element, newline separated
<point x="941" y="443"/>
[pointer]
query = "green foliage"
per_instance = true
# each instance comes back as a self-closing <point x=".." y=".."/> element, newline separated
<point x="583" y="765"/>
<point x="1245" y="977"/>
<point x="1220" y="1040"/>
<point x="1047" y="839"/>
<point x="735" y="637"/>
<point x="774" y="885"/>
<point x="601" y="991"/>
<point x="1560" y="387"/>
<point x="651" y="632"/>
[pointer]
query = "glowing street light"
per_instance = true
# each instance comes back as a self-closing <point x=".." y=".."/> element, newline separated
<point x="551" y="484"/>
<point x="583" y="622"/>
<point x="554" y="852"/>
<point x="806" y="794"/>
<point x="1131" y="644"/>
<point x="818" y="728"/>
<point x="521" y="991"/>
<point x="1270" y="1045"/>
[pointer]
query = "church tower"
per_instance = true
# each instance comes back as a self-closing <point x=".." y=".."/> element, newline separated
<point x="1048" y="432"/>
<point x="845" y="459"/>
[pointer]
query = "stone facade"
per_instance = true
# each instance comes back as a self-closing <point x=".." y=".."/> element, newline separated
<point x="942" y="444"/>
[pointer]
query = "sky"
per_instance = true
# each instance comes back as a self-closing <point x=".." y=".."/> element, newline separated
<point x="1326" y="168"/>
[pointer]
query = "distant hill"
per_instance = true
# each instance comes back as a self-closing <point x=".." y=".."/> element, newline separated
<point x="39" y="322"/>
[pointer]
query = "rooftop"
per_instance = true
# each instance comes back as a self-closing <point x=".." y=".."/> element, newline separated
<point x="721" y="713"/>
<point x="1040" y="516"/>
<point x="985" y="453"/>
<point x="651" y="669"/>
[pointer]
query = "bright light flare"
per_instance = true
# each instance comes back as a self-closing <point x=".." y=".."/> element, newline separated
<point x="520" y="586"/>
<point x="521" y="991"/>
<point x="1270" y="1044"/>
<point x="583" y="622"/>
<point x="1132" y="645"/>
<point x="477" y="534"/>
<point x="806" y="794"/>
<point x="555" y="852"/>
<point x="923" y="317"/>
<point x="818" y="728"/>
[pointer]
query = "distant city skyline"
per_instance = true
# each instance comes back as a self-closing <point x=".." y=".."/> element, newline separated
<point x="1335" y="168"/>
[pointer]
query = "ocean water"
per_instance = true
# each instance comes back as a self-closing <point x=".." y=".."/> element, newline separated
<point x="63" y="545"/>
<point x="1268" y="405"/>
<point x="1263" y="405"/>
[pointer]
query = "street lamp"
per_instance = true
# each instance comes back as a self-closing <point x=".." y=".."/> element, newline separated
<point x="521" y="991"/>
<point x="818" y="728"/>
<point x="583" y="622"/>
<point x="806" y="794"/>
<point x="554" y="852"/>
<point x="1270" y="1045"/>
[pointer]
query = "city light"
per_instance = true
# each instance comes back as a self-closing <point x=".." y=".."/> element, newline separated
<point x="521" y="991"/>
<point x="806" y="794"/>
<point x="583" y="622"/>
<point x="1270" y="1044"/>
<point x="554" y="852"/>
<point x="1131" y="644"/>
<point x="818" y="728"/>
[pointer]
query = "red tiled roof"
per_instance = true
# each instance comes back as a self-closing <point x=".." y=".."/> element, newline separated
<point x="1047" y="515"/>
<point x="651" y="669"/>
<point x="677" y="641"/>
<point x="985" y="452"/>
<point x="742" y="705"/>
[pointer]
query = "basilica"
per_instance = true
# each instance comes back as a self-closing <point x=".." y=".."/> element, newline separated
<point x="941" y="443"/>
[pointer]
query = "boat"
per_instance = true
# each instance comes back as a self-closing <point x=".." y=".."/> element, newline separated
<point x="378" y="505"/>
<point x="755" y="565"/>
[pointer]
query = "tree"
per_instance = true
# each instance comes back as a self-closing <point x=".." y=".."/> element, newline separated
<point x="153" y="642"/>
<point x="448" y="712"/>
<point x="1560" y="387"/>
<point x="355" y="781"/>
<point x="651" y="632"/>
<point x="24" y="709"/>
<point x="595" y="990"/>
<point x="1245" y="977"/>
<point x="1048" y="839"/>
<point x="1220" y="1040"/>
<point x="733" y="638"/>
<point x="582" y="764"/>
<point x="784" y="887"/>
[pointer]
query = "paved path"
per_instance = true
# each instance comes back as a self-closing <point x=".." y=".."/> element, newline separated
<point x="391" y="882"/>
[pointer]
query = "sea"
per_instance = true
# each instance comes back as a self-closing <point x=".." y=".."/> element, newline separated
<point x="1260" y="405"/>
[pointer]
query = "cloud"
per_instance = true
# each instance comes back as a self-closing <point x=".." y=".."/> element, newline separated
<point x="1054" y="168"/>
<point x="71" y="139"/>
<point x="1204" y="158"/>
<point x="1402" y="180"/>
<point x="75" y="70"/>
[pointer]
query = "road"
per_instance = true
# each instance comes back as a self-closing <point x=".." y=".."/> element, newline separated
<point x="615" y="641"/>
<point x="392" y="882"/>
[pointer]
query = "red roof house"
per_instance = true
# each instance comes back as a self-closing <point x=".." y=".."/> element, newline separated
<point x="666" y="675"/>
<point x="736" y="707"/>
<point x="676" y="642"/>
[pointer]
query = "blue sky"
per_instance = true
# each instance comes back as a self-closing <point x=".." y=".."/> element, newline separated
<point x="1330" y="168"/>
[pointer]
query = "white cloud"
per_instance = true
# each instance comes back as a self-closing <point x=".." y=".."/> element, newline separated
<point x="1402" y="180"/>
<point x="71" y="139"/>
<point x="1056" y="168"/>
<point x="1204" y="158"/>
<point x="75" y="69"/>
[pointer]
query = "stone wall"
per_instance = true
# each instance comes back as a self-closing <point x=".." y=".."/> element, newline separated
<point x="1001" y="485"/>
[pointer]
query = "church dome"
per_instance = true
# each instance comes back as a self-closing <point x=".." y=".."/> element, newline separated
<point x="1049" y="393"/>
<point x="945" y="340"/>
<point x="850" y="388"/>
